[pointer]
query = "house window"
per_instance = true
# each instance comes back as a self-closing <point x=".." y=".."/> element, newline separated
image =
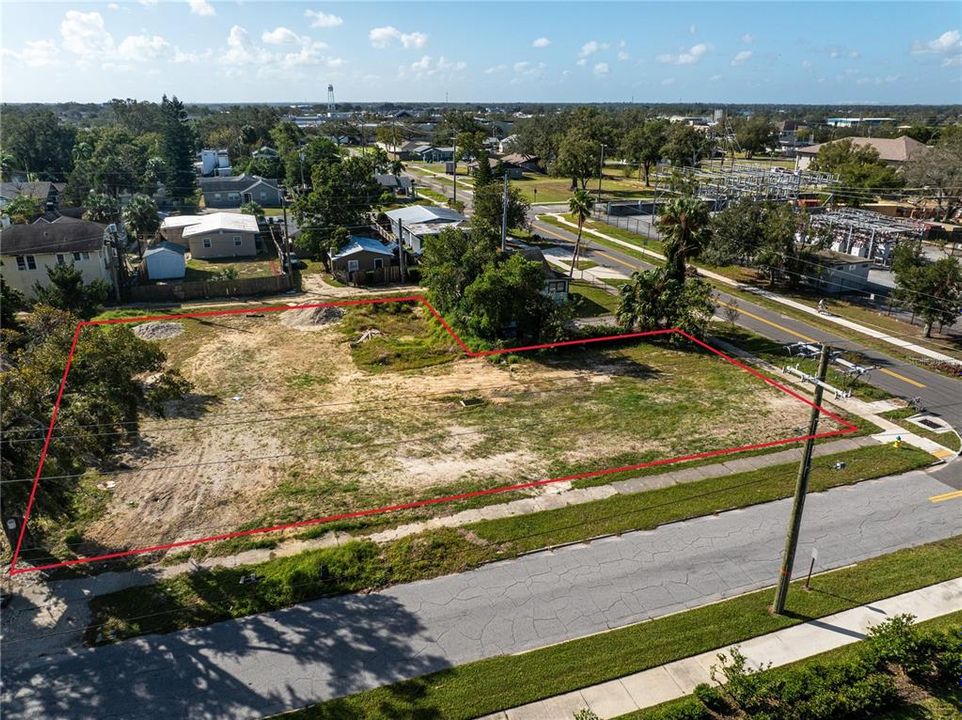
<point x="61" y="260"/>
<point x="76" y="257"/>
<point x="21" y="263"/>
<point x="233" y="196"/>
<point x="378" y="263"/>
<point x="31" y="262"/>
<point x="86" y="256"/>
<point x="206" y="242"/>
<point x="216" y="196"/>
<point x="237" y="241"/>
<point x="263" y="195"/>
<point x="352" y="266"/>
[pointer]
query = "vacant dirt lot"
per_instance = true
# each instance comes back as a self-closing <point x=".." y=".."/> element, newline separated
<point x="373" y="406"/>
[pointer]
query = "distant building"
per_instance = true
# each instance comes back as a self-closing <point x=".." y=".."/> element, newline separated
<point x="845" y="122"/>
<point x="840" y="273"/>
<point x="48" y="193"/>
<point x="412" y="224"/>
<point x="891" y="151"/>
<point x="400" y="185"/>
<point x="27" y="250"/>
<point x="214" y="163"/>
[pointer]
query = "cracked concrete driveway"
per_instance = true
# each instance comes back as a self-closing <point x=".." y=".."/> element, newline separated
<point x="328" y="648"/>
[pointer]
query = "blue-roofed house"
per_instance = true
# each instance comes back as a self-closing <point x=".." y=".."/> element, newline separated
<point x="366" y="261"/>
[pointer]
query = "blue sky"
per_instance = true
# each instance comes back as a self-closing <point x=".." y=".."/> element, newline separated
<point x="203" y="50"/>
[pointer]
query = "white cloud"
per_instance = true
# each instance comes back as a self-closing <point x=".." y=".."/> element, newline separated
<point x="748" y="38"/>
<point x="139" y="48"/>
<point x="494" y="69"/>
<point x="582" y="62"/>
<point x="541" y="42"/>
<point x="322" y="19"/>
<point x="854" y="54"/>
<point x="309" y="54"/>
<point x="952" y="61"/>
<point x="428" y="67"/>
<point x="148" y="3"/>
<point x="689" y="57"/>
<point x="947" y="42"/>
<point x="35" y="54"/>
<point x="181" y="57"/>
<point x="113" y="6"/>
<point x="715" y="78"/>
<point x="601" y="69"/>
<point x="668" y="81"/>
<point x="241" y="49"/>
<point x="741" y="56"/>
<point x="591" y="47"/>
<point x="280" y="36"/>
<point x="84" y="34"/>
<point x="806" y="63"/>
<point x="693" y="29"/>
<point x="201" y="7"/>
<point x="525" y="71"/>
<point x="623" y="55"/>
<point x="382" y="37"/>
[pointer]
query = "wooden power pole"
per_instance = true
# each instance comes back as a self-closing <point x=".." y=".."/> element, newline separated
<point x="801" y="490"/>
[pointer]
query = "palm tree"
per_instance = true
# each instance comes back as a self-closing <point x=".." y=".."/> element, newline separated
<point x="81" y="151"/>
<point x="6" y="164"/>
<point x="140" y="216"/>
<point x="684" y="226"/>
<point x="581" y="204"/>
<point x="100" y="208"/>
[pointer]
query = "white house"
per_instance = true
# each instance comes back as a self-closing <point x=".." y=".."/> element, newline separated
<point x="26" y="251"/>
<point x="411" y="224"/>
<point x="221" y="235"/>
<point x="166" y="261"/>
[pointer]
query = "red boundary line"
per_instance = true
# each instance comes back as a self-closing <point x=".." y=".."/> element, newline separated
<point x="14" y="570"/>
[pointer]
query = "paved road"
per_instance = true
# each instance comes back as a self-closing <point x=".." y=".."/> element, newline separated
<point x="328" y="648"/>
<point x="940" y="394"/>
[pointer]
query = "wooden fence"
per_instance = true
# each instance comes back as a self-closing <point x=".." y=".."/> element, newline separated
<point x="239" y="287"/>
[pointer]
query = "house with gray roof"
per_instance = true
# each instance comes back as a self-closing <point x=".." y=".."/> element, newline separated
<point x="48" y="193"/>
<point x="412" y="224"/>
<point x="234" y="191"/>
<point x="365" y="260"/>
<point x="26" y="251"/>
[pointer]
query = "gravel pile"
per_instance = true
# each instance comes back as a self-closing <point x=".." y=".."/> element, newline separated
<point x="158" y="330"/>
<point x="311" y="318"/>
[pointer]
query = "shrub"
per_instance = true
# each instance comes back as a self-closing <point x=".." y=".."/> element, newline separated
<point x="711" y="697"/>
<point x="687" y="709"/>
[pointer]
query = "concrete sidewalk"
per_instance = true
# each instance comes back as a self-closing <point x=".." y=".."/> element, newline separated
<point x="774" y="297"/>
<point x="678" y="679"/>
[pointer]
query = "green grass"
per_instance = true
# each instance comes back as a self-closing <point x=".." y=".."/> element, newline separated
<point x="261" y="266"/>
<point x="558" y="189"/>
<point x="404" y="341"/>
<point x="487" y="686"/>
<point x="942" y="706"/>
<point x="591" y="301"/>
<point x="432" y="195"/>
<point x="190" y="600"/>
<point x="948" y="440"/>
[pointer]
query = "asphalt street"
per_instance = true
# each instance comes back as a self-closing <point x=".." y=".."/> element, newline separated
<point x="940" y="394"/>
<point x="328" y="648"/>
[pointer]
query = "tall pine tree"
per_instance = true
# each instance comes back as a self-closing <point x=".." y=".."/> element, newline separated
<point x="177" y="149"/>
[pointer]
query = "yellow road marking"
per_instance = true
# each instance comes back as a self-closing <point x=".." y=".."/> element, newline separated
<point x="901" y="377"/>
<point x="806" y="338"/>
<point x="614" y="259"/>
<point x="946" y="496"/>
<point x="543" y="229"/>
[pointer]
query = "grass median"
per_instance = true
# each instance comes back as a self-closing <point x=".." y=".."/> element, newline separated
<point x="202" y="598"/>
<point x="478" y="688"/>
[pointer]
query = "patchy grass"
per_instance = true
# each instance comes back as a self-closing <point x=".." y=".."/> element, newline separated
<point x="558" y="189"/>
<point x="487" y="686"/>
<point x="213" y="269"/>
<point x="948" y="440"/>
<point x="400" y="341"/>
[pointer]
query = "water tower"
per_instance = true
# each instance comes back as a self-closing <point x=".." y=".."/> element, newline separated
<point x="330" y="99"/>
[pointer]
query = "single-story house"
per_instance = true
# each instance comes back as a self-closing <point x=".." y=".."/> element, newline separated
<point x="424" y="217"/>
<point x="401" y="151"/>
<point x="172" y="227"/>
<point x="555" y="281"/>
<point x="265" y="151"/>
<point x="514" y="172"/>
<point x="234" y="191"/>
<point x="48" y="193"/>
<point x="417" y="235"/>
<point x="839" y="273"/>
<point x="528" y="163"/>
<point x="429" y="153"/>
<point x="221" y="235"/>
<point x="891" y="151"/>
<point x="165" y="261"/>
<point x="364" y="259"/>
<point x="26" y="251"/>
<point x="400" y="185"/>
<point x="507" y="145"/>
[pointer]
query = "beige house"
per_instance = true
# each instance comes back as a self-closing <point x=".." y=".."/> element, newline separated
<point x="26" y="251"/>
<point x="891" y="151"/>
<point x="221" y="235"/>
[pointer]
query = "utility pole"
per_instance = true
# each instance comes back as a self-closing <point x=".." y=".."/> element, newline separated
<point x="454" y="160"/>
<point x="801" y="490"/>
<point x="400" y="251"/>
<point x="286" y="258"/>
<point x="504" y="215"/>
